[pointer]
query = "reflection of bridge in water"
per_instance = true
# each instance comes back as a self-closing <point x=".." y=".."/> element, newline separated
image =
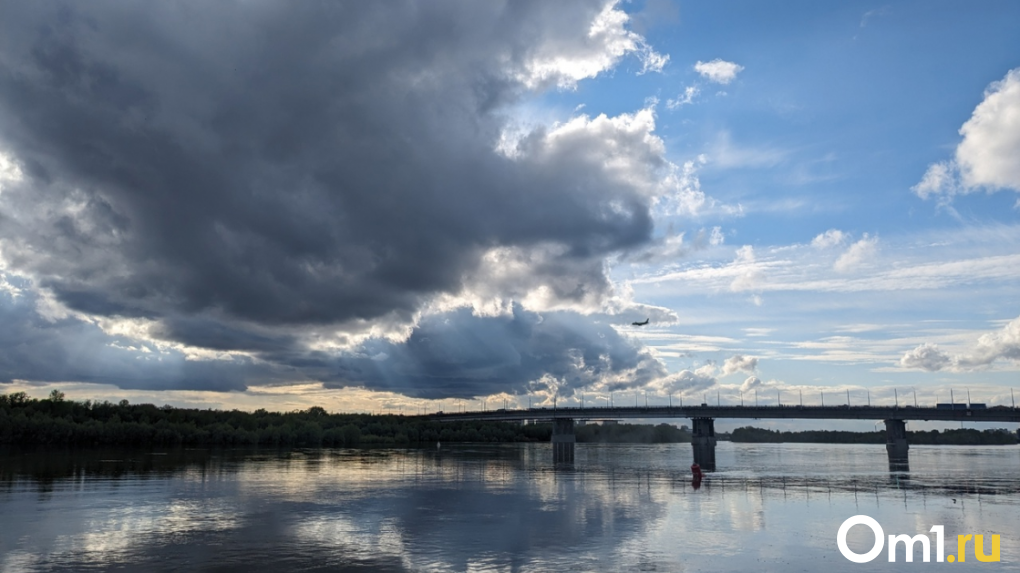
<point x="703" y="418"/>
<point x="870" y="484"/>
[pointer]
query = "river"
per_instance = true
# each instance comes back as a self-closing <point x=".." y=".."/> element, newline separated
<point x="769" y="507"/>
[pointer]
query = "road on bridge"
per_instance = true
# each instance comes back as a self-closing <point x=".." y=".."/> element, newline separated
<point x="844" y="412"/>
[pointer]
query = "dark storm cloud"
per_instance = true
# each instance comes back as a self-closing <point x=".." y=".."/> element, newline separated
<point x="453" y="354"/>
<point x="69" y="349"/>
<point x="458" y="354"/>
<point x="216" y="335"/>
<point x="240" y="172"/>
<point x="282" y="164"/>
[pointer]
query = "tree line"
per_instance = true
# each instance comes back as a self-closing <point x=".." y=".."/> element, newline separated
<point x="631" y="434"/>
<point x="962" y="436"/>
<point x="56" y="421"/>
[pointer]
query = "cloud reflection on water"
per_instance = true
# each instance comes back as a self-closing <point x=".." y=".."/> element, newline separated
<point x="486" y="508"/>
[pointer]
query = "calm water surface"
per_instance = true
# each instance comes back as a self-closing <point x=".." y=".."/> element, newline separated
<point x="495" y="508"/>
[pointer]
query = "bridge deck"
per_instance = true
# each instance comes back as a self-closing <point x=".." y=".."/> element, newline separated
<point x="994" y="414"/>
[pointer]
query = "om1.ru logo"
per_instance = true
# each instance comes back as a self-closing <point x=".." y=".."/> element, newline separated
<point x="908" y="544"/>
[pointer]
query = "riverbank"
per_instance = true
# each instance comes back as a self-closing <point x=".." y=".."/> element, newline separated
<point x="54" y="421"/>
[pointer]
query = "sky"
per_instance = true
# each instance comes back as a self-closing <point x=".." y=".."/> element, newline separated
<point x="404" y="207"/>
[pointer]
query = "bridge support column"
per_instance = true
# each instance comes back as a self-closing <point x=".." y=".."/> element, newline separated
<point x="703" y="443"/>
<point x="896" y="441"/>
<point x="563" y="440"/>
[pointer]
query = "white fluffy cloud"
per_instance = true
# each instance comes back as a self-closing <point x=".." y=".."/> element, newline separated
<point x="689" y="381"/>
<point x="625" y="146"/>
<point x="718" y="71"/>
<point x="989" y="154"/>
<point x="857" y="254"/>
<point x="717" y="237"/>
<point x="987" y="157"/>
<point x="749" y="273"/>
<point x="830" y="238"/>
<point x="651" y="61"/>
<point x="690" y="92"/>
<point x="940" y="180"/>
<point x="926" y="357"/>
<point x="680" y="191"/>
<point x="739" y="363"/>
<point x="751" y="383"/>
<point x="1001" y="345"/>
<point x="1004" y="344"/>
<point x="566" y="62"/>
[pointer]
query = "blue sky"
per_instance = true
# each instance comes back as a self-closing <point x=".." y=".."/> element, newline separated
<point x="838" y="113"/>
<point x="804" y="197"/>
<point x="835" y="114"/>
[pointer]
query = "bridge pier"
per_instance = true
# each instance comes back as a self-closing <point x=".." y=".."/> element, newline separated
<point x="703" y="443"/>
<point x="896" y="441"/>
<point x="563" y="440"/>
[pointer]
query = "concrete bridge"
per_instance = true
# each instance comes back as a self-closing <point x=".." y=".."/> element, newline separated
<point x="703" y="418"/>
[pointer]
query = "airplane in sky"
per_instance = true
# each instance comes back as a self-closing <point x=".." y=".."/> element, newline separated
<point x="640" y="323"/>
